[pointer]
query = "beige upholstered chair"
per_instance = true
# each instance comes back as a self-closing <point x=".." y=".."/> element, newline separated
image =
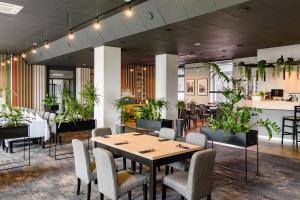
<point x="198" y="182"/>
<point x="85" y="169"/>
<point x="192" y="138"/>
<point x="114" y="184"/>
<point x="167" y="133"/>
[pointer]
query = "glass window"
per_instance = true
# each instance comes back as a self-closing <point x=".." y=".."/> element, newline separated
<point x="180" y="84"/>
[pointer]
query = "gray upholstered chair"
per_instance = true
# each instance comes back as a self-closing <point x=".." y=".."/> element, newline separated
<point x="41" y="113"/>
<point x="114" y="184"/>
<point x="85" y="169"/>
<point x="46" y="116"/>
<point x="198" y="182"/>
<point x="192" y="138"/>
<point x="167" y="133"/>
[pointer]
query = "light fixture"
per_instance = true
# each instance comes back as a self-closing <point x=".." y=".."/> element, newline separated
<point x="128" y="11"/>
<point x="23" y="55"/>
<point x="33" y="50"/>
<point x="97" y="24"/>
<point x="131" y="70"/>
<point x="197" y="44"/>
<point x="47" y="46"/>
<point x="145" y="68"/>
<point x="2" y="64"/>
<point x="15" y="59"/>
<point x="10" y="9"/>
<point x="71" y="35"/>
<point x="8" y="62"/>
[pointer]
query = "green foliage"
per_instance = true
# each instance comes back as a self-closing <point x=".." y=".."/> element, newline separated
<point x="89" y="98"/>
<point x="12" y="116"/>
<point x="50" y="100"/>
<point x="180" y="105"/>
<point x="234" y="118"/>
<point x="152" y="109"/>
<point x="261" y="68"/>
<point x="289" y="65"/>
<point x="120" y="105"/>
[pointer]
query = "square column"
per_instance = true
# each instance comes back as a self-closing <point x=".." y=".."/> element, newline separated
<point x="107" y="79"/>
<point x="166" y="82"/>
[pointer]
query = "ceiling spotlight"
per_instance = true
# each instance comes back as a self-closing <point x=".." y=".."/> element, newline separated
<point x="197" y="44"/>
<point x="97" y="24"/>
<point x="33" y="50"/>
<point x="128" y="12"/>
<point x="47" y="46"/>
<point x="71" y="35"/>
<point x="23" y="55"/>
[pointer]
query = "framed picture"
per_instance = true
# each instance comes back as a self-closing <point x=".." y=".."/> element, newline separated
<point x="190" y="87"/>
<point x="202" y="86"/>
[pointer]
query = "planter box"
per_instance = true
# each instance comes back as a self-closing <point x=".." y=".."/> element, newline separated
<point x="77" y="126"/>
<point x="240" y="139"/>
<point x="154" y="125"/>
<point x="14" y="132"/>
<point x="51" y="108"/>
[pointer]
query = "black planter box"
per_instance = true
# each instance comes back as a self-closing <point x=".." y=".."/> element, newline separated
<point x="239" y="139"/>
<point x="51" y="108"/>
<point x="76" y="126"/>
<point x="154" y="125"/>
<point x="14" y="132"/>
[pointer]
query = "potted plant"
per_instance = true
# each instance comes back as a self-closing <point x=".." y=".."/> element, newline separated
<point x="235" y="125"/>
<point x="50" y="103"/>
<point x="77" y="115"/>
<point x="261" y="69"/>
<point x="12" y="125"/>
<point x="149" y="115"/>
<point x="180" y="122"/>
<point x="120" y="105"/>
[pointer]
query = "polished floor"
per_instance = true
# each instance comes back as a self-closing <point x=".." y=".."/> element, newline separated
<point x="49" y="179"/>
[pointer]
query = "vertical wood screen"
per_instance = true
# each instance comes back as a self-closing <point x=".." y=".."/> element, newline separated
<point x="139" y="80"/>
<point x="3" y="74"/>
<point x="85" y="76"/>
<point x="39" y="86"/>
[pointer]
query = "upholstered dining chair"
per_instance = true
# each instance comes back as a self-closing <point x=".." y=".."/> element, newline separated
<point x="46" y="116"/>
<point x="198" y="139"/>
<point x="167" y="133"/>
<point x="84" y="168"/>
<point x="102" y="132"/>
<point x="198" y="182"/>
<point x="114" y="184"/>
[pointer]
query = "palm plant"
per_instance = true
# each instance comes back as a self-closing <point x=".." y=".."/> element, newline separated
<point x="12" y="116"/>
<point x="152" y="109"/>
<point x="50" y="100"/>
<point x="120" y="105"/>
<point x="180" y="105"/>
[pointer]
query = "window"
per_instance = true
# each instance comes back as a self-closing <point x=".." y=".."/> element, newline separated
<point x="217" y="83"/>
<point x="180" y="84"/>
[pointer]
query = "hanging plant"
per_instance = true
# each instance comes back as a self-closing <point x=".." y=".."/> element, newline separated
<point x="278" y="66"/>
<point x="261" y="69"/>
<point x="248" y="73"/>
<point x="298" y="71"/>
<point x="288" y="65"/>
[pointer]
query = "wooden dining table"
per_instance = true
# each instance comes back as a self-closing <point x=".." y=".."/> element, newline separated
<point x="148" y="150"/>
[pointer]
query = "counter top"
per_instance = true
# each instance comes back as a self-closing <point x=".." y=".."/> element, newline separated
<point x="272" y="105"/>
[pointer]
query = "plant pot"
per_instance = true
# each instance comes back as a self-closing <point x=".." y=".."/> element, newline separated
<point x="14" y="132"/>
<point x="237" y="139"/>
<point x="153" y="125"/>
<point x="76" y="126"/>
<point x="179" y="127"/>
<point x="51" y="108"/>
<point x="120" y="128"/>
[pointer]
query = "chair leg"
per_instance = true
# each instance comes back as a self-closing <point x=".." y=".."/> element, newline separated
<point x="89" y="191"/>
<point x="60" y="141"/>
<point x="140" y="168"/>
<point x="182" y="197"/>
<point x="101" y="196"/>
<point x="96" y="181"/>
<point x="164" y="192"/>
<point x="78" y="185"/>
<point x="124" y="163"/>
<point x="129" y="195"/>
<point x="282" y="131"/>
<point x="209" y="197"/>
<point x="172" y="170"/>
<point x="145" y="191"/>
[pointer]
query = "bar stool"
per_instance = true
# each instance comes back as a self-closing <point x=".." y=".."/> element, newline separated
<point x="294" y="119"/>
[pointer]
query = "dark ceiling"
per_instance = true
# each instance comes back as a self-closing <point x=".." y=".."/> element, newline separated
<point x="30" y="23"/>
<point x="230" y="33"/>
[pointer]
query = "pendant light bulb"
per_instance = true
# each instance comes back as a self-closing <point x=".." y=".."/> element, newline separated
<point x="47" y="46"/>
<point x="97" y="24"/>
<point x="33" y="50"/>
<point x="128" y="12"/>
<point x="15" y="59"/>
<point x="8" y="61"/>
<point x="71" y="35"/>
<point x="2" y="64"/>
<point x="23" y="55"/>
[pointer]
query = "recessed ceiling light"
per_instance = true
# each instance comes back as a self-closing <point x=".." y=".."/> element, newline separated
<point x="197" y="44"/>
<point x="10" y="9"/>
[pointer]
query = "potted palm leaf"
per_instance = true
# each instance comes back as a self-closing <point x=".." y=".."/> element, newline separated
<point x="50" y="103"/>
<point x="120" y="105"/>
<point x="180" y="122"/>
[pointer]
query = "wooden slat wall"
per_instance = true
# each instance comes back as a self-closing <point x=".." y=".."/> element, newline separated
<point x="85" y="76"/>
<point x="131" y="75"/>
<point x="39" y="86"/>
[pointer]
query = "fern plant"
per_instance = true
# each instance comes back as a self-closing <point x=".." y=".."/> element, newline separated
<point x="234" y="118"/>
<point x="152" y="109"/>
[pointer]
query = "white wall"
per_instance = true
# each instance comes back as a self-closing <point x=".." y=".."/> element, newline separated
<point x="196" y="74"/>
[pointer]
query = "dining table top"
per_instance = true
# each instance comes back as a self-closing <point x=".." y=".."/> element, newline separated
<point x="146" y="146"/>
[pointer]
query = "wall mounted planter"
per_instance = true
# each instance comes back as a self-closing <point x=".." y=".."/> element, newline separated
<point x="14" y="132"/>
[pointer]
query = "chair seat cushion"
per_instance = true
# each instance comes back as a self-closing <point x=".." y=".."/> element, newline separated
<point x="177" y="181"/>
<point x="181" y="165"/>
<point x="290" y="117"/>
<point x="129" y="180"/>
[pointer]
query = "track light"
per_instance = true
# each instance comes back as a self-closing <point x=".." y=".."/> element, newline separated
<point x="71" y="35"/>
<point x="23" y="55"/>
<point x="47" y="46"/>
<point x="33" y="50"/>
<point x="128" y="11"/>
<point x="97" y="24"/>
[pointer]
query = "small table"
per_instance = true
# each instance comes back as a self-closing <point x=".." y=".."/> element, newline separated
<point x="166" y="152"/>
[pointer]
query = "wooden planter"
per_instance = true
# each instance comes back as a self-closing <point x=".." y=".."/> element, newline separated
<point x="51" y="108"/>
<point x="14" y="132"/>
<point x="239" y="139"/>
<point x="154" y="125"/>
<point x="77" y="126"/>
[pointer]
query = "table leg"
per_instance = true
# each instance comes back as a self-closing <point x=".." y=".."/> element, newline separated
<point x="152" y="182"/>
<point x="133" y="166"/>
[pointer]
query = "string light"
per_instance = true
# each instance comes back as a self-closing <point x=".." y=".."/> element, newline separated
<point x="33" y="50"/>
<point x="23" y="55"/>
<point x="47" y="46"/>
<point x="15" y="59"/>
<point x="2" y="64"/>
<point x="71" y="35"/>
<point x="8" y="61"/>
<point x="97" y="24"/>
<point x="128" y="12"/>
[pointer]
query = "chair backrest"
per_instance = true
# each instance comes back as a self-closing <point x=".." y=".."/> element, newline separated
<point x="197" y="139"/>
<point x="82" y="161"/>
<point x="200" y="177"/>
<point x="100" y="132"/>
<point x="41" y="113"/>
<point x="46" y="116"/>
<point x="106" y="173"/>
<point x="167" y="133"/>
<point x="297" y="111"/>
<point x="51" y="117"/>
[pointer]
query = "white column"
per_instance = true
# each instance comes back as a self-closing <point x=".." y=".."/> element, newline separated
<point x="107" y="78"/>
<point x="166" y="82"/>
